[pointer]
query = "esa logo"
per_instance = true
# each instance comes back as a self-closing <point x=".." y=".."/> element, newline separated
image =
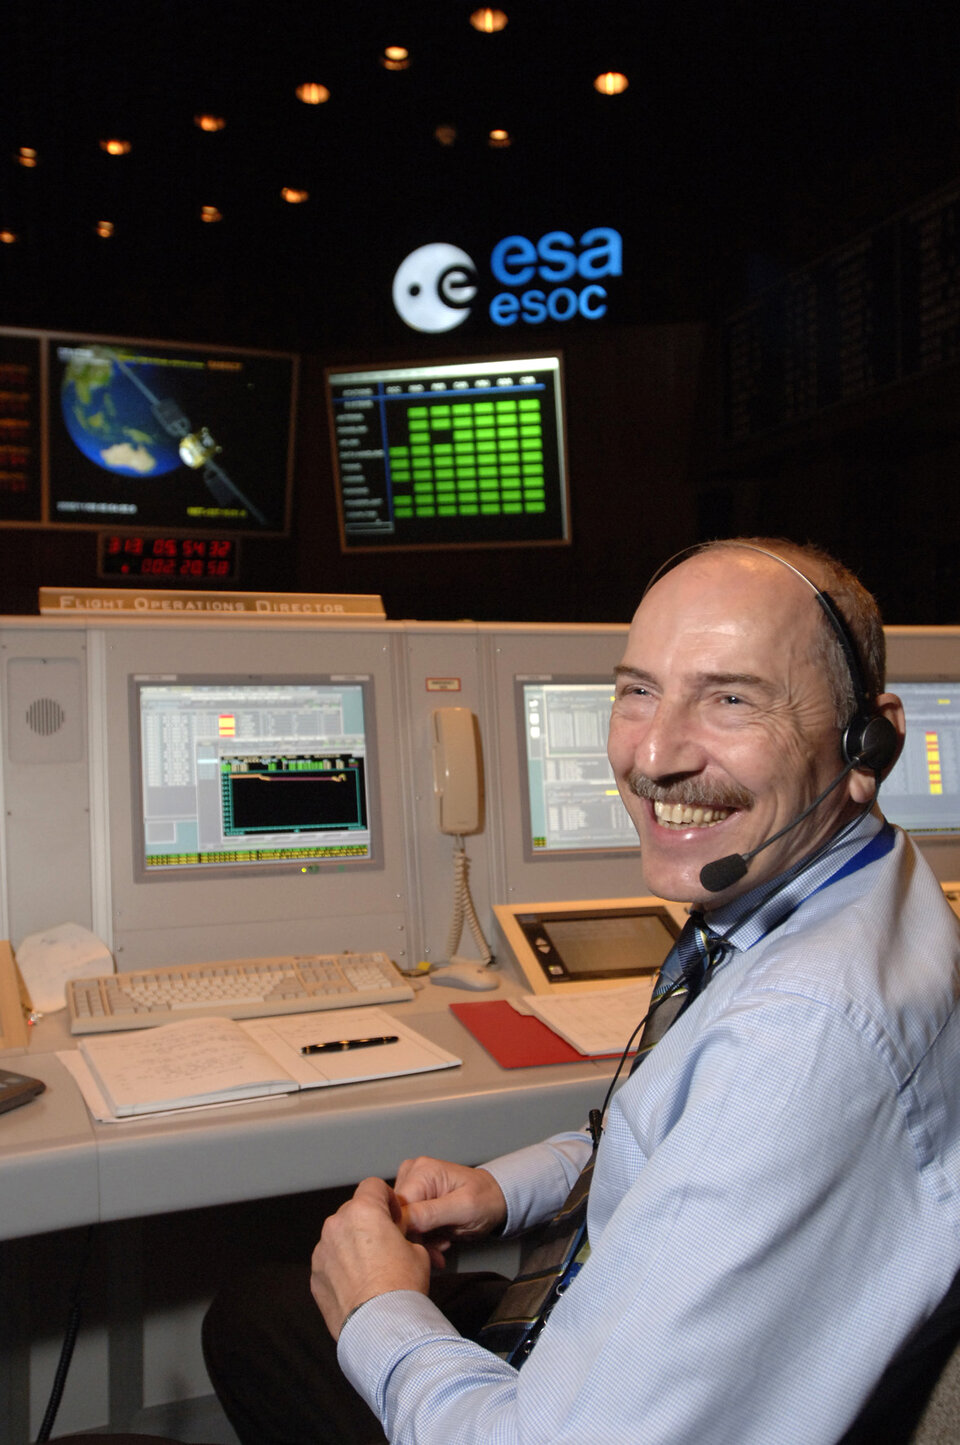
<point x="435" y="287"/>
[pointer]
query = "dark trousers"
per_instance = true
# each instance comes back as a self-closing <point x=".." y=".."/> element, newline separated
<point x="274" y="1365"/>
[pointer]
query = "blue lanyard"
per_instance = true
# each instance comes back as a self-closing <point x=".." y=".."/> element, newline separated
<point x="878" y="847"/>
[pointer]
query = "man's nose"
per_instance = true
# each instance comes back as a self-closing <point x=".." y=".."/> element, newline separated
<point x="670" y="744"/>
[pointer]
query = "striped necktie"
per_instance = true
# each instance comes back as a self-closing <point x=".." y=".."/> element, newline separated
<point x="553" y="1255"/>
<point x="684" y="973"/>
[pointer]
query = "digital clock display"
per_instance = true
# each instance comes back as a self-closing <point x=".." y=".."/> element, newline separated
<point x="168" y="559"/>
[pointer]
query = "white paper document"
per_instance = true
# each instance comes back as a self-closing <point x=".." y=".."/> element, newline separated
<point x="598" y="1022"/>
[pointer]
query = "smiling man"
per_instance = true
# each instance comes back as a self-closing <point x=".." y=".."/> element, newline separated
<point x="774" y="1208"/>
<point x="728" y="714"/>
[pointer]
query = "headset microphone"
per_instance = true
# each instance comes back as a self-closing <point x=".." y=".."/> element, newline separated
<point x="724" y="872"/>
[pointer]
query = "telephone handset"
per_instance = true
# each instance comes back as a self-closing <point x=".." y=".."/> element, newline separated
<point x="456" y="770"/>
<point x="458" y="785"/>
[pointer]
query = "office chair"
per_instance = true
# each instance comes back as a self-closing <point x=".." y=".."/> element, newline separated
<point x="917" y="1399"/>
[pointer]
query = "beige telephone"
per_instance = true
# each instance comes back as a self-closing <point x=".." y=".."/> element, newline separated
<point x="456" y="770"/>
<point x="458" y="786"/>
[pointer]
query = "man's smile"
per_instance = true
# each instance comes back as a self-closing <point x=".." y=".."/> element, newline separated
<point x="683" y="815"/>
<point x="690" y="802"/>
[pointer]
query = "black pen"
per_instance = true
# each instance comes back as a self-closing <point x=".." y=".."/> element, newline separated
<point x="335" y="1045"/>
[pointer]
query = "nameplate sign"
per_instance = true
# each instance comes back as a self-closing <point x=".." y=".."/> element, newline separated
<point x="136" y="602"/>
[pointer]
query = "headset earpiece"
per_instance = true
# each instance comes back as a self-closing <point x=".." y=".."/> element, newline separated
<point x="869" y="741"/>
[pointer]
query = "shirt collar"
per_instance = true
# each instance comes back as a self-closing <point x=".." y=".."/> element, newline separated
<point x="744" y="921"/>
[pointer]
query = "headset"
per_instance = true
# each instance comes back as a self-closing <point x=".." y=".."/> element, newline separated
<point x="868" y="740"/>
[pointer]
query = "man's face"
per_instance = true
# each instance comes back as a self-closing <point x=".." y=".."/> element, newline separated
<point x="723" y="728"/>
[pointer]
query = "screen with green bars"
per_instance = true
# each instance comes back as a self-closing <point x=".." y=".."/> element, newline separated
<point x="452" y="454"/>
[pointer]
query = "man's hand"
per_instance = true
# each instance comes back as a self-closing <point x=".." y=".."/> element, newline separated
<point x="443" y="1202"/>
<point x="362" y="1253"/>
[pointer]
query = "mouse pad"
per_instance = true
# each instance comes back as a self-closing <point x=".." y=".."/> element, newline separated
<point x="514" y="1040"/>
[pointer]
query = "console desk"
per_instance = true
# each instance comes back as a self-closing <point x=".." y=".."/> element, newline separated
<point x="59" y="1169"/>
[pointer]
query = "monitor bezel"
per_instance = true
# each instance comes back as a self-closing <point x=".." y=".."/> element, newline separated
<point x="232" y="872"/>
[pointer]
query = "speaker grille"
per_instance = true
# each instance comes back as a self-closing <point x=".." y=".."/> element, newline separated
<point x="44" y="710"/>
<point x="45" y="716"/>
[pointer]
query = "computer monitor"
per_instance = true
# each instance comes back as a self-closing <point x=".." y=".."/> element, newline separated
<point x="588" y="944"/>
<point x="241" y="776"/>
<point x="467" y="453"/>
<point x="922" y="793"/>
<point x="21" y="436"/>
<point x="158" y="435"/>
<point x="570" y="803"/>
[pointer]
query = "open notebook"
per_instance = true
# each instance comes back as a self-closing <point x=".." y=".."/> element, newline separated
<point x="214" y="1060"/>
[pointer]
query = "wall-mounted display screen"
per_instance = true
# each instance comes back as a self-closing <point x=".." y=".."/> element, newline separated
<point x="113" y="432"/>
<point x="464" y="453"/>
<point x="570" y="802"/>
<point x="922" y="793"/>
<point x="21" y="449"/>
<point x="252" y="775"/>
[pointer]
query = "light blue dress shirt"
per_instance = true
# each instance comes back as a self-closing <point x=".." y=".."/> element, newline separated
<point x="775" y="1205"/>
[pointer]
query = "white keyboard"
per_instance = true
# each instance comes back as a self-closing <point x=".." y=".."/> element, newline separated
<point x="239" y="988"/>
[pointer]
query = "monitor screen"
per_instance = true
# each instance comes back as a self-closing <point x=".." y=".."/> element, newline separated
<point x="146" y="434"/>
<point x="587" y="944"/>
<point x="260" y="774"/>
<point x="449" y="454"/>
<point x="570" y="801"/>
<point x="922" y="793"/>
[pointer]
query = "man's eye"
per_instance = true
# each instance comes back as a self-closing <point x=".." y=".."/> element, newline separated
<point x="732" y="697"/>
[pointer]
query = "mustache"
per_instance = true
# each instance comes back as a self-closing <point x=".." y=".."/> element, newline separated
<point x="691" y="791"/>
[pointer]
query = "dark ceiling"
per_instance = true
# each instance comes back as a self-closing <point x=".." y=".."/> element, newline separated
<point x="752" y="134"/>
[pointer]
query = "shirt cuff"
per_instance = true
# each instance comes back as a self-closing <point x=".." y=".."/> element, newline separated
<point x="377" y="1332"/>
<point x="536" y="1181"/>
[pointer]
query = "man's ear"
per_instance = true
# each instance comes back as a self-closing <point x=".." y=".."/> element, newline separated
<point x="863" y="784"/>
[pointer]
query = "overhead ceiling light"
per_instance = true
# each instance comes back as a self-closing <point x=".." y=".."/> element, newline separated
<point x="445" y="134"/>
<point x="295" y="195"/>
<point x="312" y="93"/>
<point x="611" y="82"/>
<point x="116" y="147"/>
<point x="499" y="139"/>
<point x="8" y="237"/>
<point x="210" y="213"/>
<point x="395" y="57"/>
<point x="104" y="229"/>
<point x="27" y="156"/>
<point x="487" y="20"/>
<point x="208" y="122"/>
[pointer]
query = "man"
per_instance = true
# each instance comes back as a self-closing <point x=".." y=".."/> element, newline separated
<point x="775" y="1204"/>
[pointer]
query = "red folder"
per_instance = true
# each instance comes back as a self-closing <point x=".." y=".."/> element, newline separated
<point x="515" y="1040"/>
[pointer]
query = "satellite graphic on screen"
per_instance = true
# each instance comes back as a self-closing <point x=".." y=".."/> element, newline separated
<point x="137" y="432"/>
<point x="169" y="436"/>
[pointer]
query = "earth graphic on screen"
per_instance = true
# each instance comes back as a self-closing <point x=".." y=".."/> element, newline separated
<point x="110" y="419"/>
